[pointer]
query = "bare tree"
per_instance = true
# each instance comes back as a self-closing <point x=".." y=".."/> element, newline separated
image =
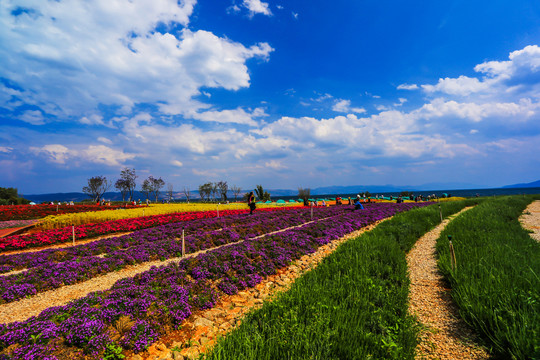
<point x="236" y="191"/>
<point x="222" y="187"/>
<point x="214" y="190"/>
<point x="97" y="186"/>
<point x="120" y="185"/>
<point x="146" y="188"/>
<point x="187" y="192"/>
<point x="127" y="182"/>
<point x="169" y="191"/>
<point x="152" y="186"/>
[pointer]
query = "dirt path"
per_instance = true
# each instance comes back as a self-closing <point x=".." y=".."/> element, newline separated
<point x="444" y="335"/>
<point x="530" y="219"/>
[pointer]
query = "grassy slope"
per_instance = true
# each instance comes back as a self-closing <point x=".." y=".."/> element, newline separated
<point x="352" y="306"/>
<point x="496" y="284"/>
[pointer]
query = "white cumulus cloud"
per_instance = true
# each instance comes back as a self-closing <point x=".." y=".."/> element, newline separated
<point x="407" y="87"/>
<point x="111" y="54"/>
<point x="257" y="7"/>
<point x="344" y="106"/>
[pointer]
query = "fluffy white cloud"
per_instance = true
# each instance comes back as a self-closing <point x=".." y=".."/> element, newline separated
<point x="55" y="152"/>
<point x="177" y="163"/>
<point x="274" y="164"/>
<point x="518" y="75"/>
<point x="461" y="86"/>
<point x="110" y="54"/>
<point x="517" y="111"/>
<point x="104" y="140"/>
<point x="99" y="154"/>
<point x="92" y="120"/>
<point x="344" y="106"/>
<point x="237" y="116"/>
<point x="389" y="133"/>
<point x="257" y="7"/>
<point x="34" y="117"/>
<point x="407" y="87"/>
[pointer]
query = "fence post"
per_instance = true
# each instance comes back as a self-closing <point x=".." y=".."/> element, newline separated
<point x="73" y="231"/>
<point x="440" y="211"/>
<point x="453" y="262"/>
<point x="183" y="244"/>
<point x="217" y="208"/>
<point x="311" y="211"/>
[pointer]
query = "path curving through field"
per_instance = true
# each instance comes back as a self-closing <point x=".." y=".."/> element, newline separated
<point x="530" y="219"/>
<point x="444" y="336"/>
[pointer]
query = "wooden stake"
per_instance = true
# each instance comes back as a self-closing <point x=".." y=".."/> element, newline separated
<point x="453" y="262"/>
<point x="440" y="211"/>
<point x="73" y="230"/>
<point x="183" y="244"/>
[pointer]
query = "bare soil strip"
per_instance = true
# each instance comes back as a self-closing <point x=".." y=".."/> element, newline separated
<point x="444" y="334"/>
<point x="530" y="220"/>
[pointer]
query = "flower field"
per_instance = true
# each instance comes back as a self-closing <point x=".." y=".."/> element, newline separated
<point x="59" y="221"/>
<point x="27" y="212"/>
<point x="62" y="235"/>
<point x="136" y="311"/>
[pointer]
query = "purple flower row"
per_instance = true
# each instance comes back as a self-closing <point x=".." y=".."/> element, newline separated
<point x="52" y="268"/>
<point x="160" y="299"/>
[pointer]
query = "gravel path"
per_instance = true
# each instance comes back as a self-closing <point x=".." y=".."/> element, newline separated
<point x="530" y="219"/>
<point x="444" y="335"/>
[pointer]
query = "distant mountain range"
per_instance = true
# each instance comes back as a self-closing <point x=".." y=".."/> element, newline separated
<point x="276" y="193"/>
<point x="533" y="184"/>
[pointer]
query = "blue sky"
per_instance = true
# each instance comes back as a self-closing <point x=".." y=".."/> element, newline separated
<point x="281" y="93"/>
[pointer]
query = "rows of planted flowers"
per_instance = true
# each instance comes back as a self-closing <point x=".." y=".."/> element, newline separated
<point x="60" y="221"/>
<point x="52" y="268"/>
<point x="58" y="236"/>
<point x="136" y="311"/>
<point x="26" y="212"/>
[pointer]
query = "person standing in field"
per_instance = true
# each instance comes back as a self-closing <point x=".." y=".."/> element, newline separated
<point x="251" y="203"/>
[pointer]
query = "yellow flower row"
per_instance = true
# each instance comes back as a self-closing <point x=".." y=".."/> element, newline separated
<point x="60" y="221"/>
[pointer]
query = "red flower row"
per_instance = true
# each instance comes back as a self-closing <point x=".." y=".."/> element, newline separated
<point x="26" y="212"/>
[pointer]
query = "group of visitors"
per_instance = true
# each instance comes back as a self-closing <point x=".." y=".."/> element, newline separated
<point x="65" y="203"/>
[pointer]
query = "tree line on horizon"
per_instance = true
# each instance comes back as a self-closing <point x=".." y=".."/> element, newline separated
<point x="152" y="187"/>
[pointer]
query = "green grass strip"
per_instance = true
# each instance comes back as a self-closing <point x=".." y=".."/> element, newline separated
<point x="496" y="282"/>
<point x="354" y="305"/>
